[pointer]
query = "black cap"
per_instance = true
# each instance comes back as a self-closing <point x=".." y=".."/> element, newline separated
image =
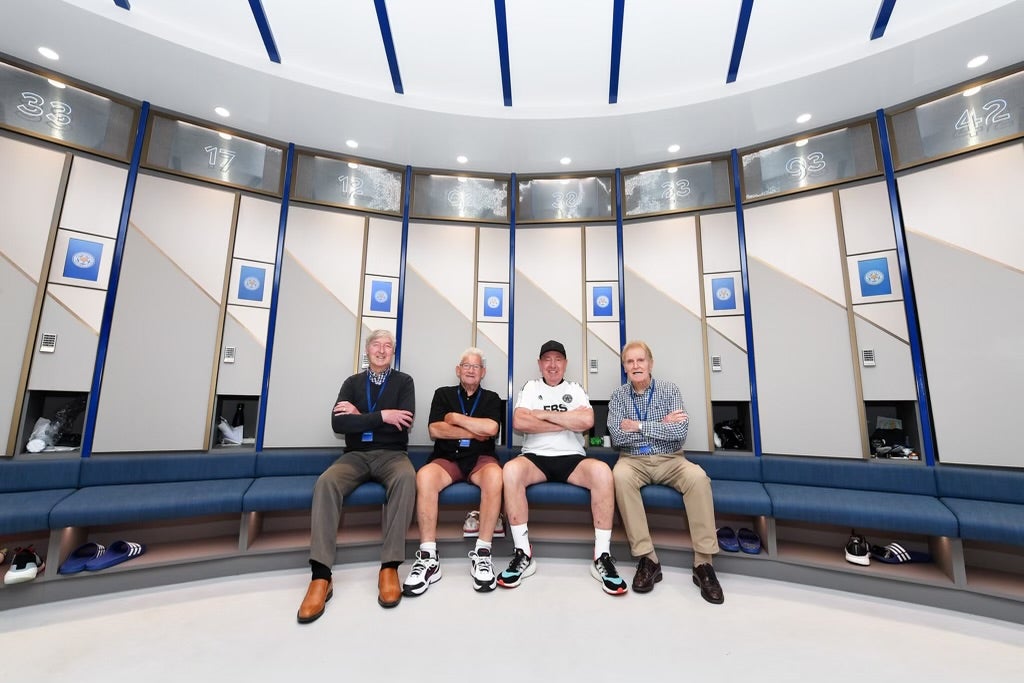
<point x="552" y="345"/>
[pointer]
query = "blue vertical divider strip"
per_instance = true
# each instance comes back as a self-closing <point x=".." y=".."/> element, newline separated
<point x="882" y="20"/>
<point x="613" y="81"/>
<point x="909" y="301"/>
<point x="123" y="4"/>
<point x="622" y="266"/>
<point x="89" y="428"/>
<point x="513" y="199"/>
<point x="406" y="201"/>
<point x="275" y="293"/>
<point x="506" y="73"/>
<point x="741" y="232"/>
<point x="741" y="38"/>
<point x="264" y="26"/>
<point x="389" y="45"/>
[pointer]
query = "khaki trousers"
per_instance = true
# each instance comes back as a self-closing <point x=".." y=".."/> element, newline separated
<point x="634" y="471"/>
<point x="393" y="470"/>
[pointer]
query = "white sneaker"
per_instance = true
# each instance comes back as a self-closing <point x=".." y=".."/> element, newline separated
<point x="425" y="571"/>
<point x="471" y="527"/>
<point x="482" y="570"/>
<point x="25" y="566"/>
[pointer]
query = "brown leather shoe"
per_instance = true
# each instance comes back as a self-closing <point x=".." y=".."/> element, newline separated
<point x="317" y="595"/>
<point x="648" y="573"/>
<point x="388" y="587"/>
<point x="710" y="589"/>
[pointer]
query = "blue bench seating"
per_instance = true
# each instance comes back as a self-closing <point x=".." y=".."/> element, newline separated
<point x="856" y="493"/>
<point x="30" y="488"/>
<point x="988" y="503"/>
<point x="735" y="486"/>
<point x="115" y="489"/>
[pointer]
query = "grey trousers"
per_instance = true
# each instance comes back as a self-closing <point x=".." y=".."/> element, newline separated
<point x="390" y="468"/>
<point x="633" y="471"/>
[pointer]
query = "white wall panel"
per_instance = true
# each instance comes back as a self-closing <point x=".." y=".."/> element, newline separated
<point x="242" y="327"/>
<point x="493" y="259"/>
<point x="891" y="316"/>
<point x="798" y="237"/>
<point x="189" y="223"/>
<point x="892" y="376"/>
<point x="94" y="197"/>
<point x="492" y="339"/>
<point x="602" y="347"/>
<point x="733" y="382"/>
<point x="971" y="203"/>
<point x="85" y="304"/>
<point x="70" y="366"/>
<point x="258" y="225"/>
<point x="384" y="247"/>
<point x="29" y="181"/>
<point x="329" y="246"/>
<point x="719" y="242"/>
<point x="551" y="258"/>
<point x="444" y="255"/>
<point x="867" y="218"/>
<point x="17" y="295"/>
<point x="664" y="252"/>
<point x="602" y="257"/>
<point x="733" y="328"/>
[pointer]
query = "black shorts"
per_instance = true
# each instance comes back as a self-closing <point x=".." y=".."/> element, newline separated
<point x="555" y="467"/>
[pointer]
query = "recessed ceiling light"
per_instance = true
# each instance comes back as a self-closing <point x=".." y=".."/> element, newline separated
<point x="973" y="64"/>
<point x="971" y="91"/>
<point x="55" y="84"/>
<point x="674" y="169"/>
<point x="224" y="136"/>
<point x="351" y="143"/>
<point x="462" y="158"/>
<point x="48" y="53"/>
<point x="353" y="164"/>
<point x="803" y="118"/>
<point x="672" y="149"/>
<point x="565" y="161"/>
<point x="801" y="143"/>
<point x="462" y="178"/>
<point x="221" y="111"/>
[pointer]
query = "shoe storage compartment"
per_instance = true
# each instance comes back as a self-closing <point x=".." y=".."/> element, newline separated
<point x="52" y="405"/>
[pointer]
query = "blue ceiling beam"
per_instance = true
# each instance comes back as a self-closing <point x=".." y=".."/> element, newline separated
<point x="389" y="45"/>
<point x="123" y="4"/>
<point x="268" y="36"/>
<point x="741" y="38"/>
<point x="506" y="72"/>
<point x="882" y="20"/>
<point x="613" y="80"/>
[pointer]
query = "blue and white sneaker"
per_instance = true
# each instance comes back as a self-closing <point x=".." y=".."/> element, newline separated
<point x="425" y="571"/>
<point x="521" y="566"/>
<point x="604" y="571"/>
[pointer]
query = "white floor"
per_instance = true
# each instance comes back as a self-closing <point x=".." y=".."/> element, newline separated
<point x="557" y="626"/>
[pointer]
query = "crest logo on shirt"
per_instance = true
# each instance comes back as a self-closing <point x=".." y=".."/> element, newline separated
<point x="567" y="398"/>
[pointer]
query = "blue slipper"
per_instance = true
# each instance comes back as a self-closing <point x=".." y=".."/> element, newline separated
<point x="727" y="540"/>
<point x="79" y="557"/>
<point x="894" y="553"/>
<point x="749" y="541"/>
<point x="118" y="552"/>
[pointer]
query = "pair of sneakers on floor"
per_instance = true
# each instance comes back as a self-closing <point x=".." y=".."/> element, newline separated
<point x="427" y="570"/>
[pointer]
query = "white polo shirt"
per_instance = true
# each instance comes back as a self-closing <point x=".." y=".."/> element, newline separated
<point x="563" y="397"/>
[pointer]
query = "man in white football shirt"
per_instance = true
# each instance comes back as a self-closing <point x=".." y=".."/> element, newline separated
<point x="553" y="413"/>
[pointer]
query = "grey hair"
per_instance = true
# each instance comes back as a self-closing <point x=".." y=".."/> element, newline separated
<point x="379" y="334"/>
<point x="474" y="351"/>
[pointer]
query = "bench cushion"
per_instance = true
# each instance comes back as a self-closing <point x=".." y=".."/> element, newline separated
<point x="1000" y="485"/>
<point x="296" y="493"/>
<point x="557" y="493"/>
<point x="863" y="475"/>
<point x="28" y="510"/>
<point x="104" y="470"/>
<point x="864" y="509"/>
<point x="38" y="475"/>
<point x="285" y="463"/>
<point x="121" y="503"/>
<point x="731" y="467"/>
<point x="731" y="497"/>
<point x="985" y="520"/>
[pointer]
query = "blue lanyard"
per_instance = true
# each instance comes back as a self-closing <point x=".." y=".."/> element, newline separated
<point x="371" y="406"/>
<point x="475" y="401"/>
<point x="647" y="409"/>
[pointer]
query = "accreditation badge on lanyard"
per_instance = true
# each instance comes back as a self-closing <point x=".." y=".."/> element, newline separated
<point x="464" y="443"/>
<point x="371" y="405"/>
<point x="644" y="449"/>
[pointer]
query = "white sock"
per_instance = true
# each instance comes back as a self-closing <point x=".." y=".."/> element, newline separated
<point x="482" y="545"/>
<point x="520" y="537"/>
<point x="602" y="542"/>
<point x="429" y="548"/>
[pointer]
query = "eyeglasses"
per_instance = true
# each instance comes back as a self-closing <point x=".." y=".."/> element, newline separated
<point x="470" y="366"/>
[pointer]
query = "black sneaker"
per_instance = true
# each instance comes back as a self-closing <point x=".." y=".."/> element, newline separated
<point x="25" y="566"/>
<point x="857" y="550"/>
<point x="604" y="571"/>
<point x="521" y="566"/>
